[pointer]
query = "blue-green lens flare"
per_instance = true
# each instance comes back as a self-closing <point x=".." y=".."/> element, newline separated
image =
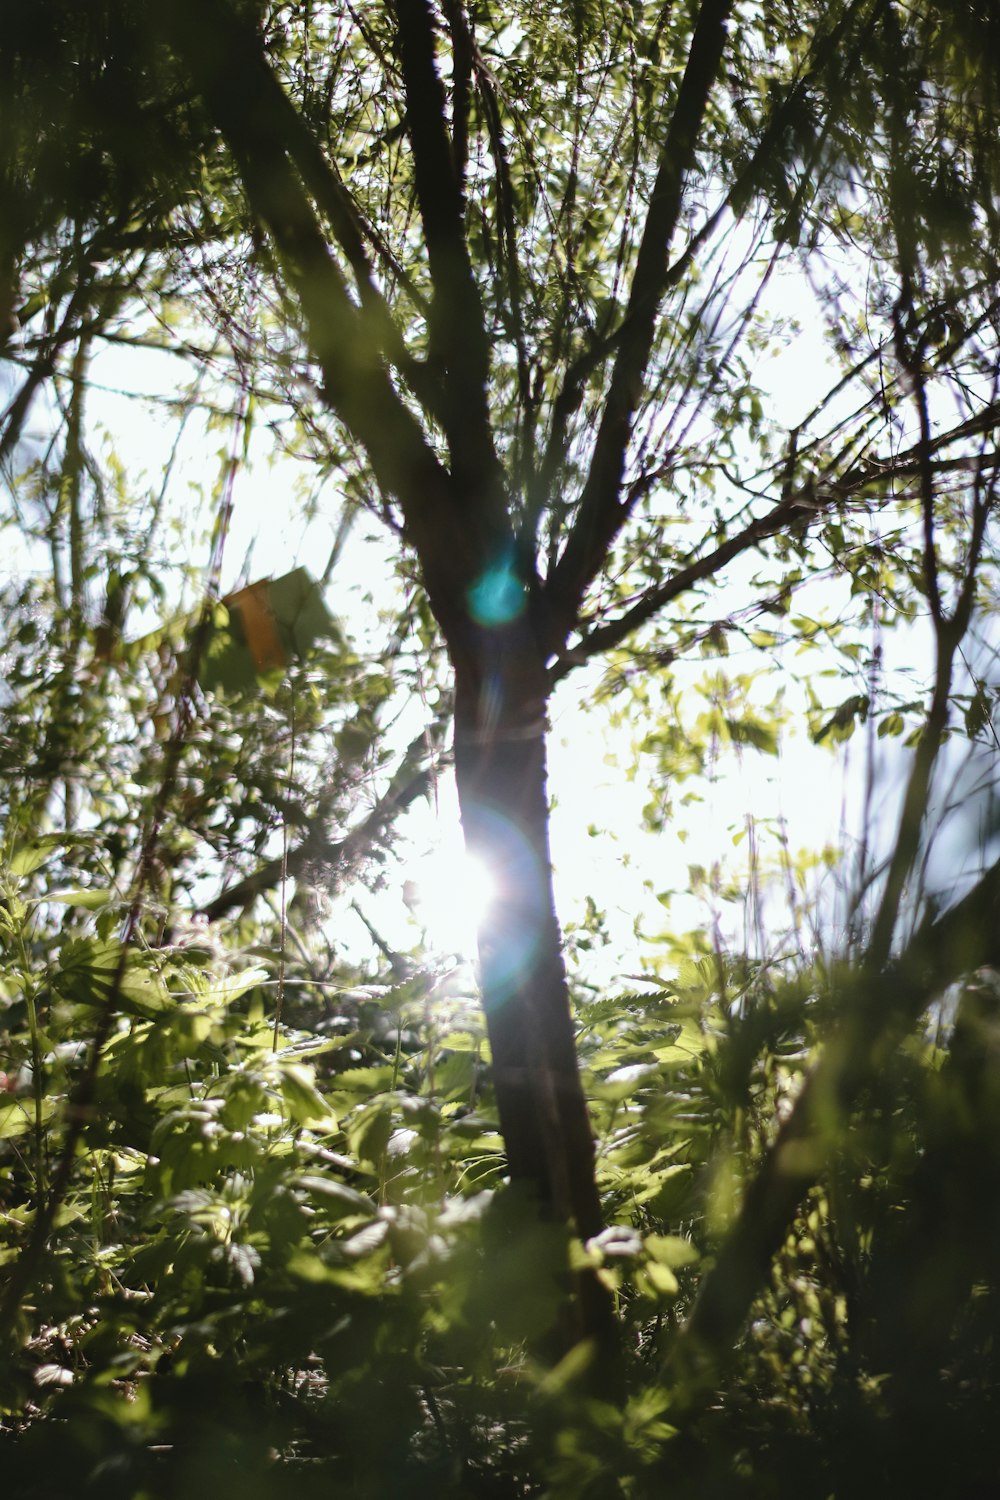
<point x="497" y="597"/>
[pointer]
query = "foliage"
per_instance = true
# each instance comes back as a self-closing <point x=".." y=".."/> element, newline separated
<point x="287" y="1259"/>
<point x="290" y="1211"/>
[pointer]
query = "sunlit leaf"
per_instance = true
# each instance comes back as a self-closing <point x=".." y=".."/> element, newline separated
<point x="302" y="1098"/>
<point x="89" y="900"/>
<point x="17" y="1116"/>
<point x="671" y="1250"/>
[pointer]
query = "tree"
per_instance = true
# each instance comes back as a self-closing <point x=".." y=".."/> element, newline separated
<point x="522" y="259"/>
<point x="490" y="453"/>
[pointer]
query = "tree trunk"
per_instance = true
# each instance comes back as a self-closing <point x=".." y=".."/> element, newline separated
<point x="500" y="767"/>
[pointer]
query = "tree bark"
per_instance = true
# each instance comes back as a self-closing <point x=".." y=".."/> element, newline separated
<point x="500" y="768"/>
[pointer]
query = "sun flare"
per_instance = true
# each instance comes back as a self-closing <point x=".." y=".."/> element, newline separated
<point x="449" y="893"/>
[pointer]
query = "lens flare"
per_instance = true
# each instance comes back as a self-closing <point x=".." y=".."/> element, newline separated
<point x="498" y="596"/>
<point x="449" y="894"/>
<point x="518" y="912"/>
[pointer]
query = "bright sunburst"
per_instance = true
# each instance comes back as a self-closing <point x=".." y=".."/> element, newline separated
<point x="449" y="893"/>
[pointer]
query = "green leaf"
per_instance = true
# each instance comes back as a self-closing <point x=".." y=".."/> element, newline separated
<point x="17" y="1116"/>
<point x="460" y="1041"/>
<point x="755" y="733"/>
<point x="624" y="1082"/>
<point x="305" y="1103"/>
<point x="662" y="1279"/>
<point x="671" y="1250"/>
<point x="365" y="1080"/>
<point x="978" y="713"/>
<point x="88" y="968"/>
<point x="335" y="1199"/>
<point x="232" y="986"/>
<point x="261" y="628"/>
<point x="90" y="900"/>
<point x="30" y="857"/>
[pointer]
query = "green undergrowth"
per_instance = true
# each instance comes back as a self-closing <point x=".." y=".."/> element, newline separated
<point x="287" y="1260"/>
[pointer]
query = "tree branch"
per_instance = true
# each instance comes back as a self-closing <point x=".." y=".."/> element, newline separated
<point x="601" y="511"/>
<point x="508" y="258"/>
<point x="356" y="385"/>
<point x="340" y="857"/>
<point x="13" y="418"/>
<point x="461" y="89"/>
<point x="458" y="336"/>
<point x="263" y="93"/>
<point x="884" y="1002"/>
<point x="746" y="183"/>
<point x="803" y="504"/>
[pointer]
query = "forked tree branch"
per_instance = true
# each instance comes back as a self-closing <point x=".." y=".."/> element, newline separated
<point x="802" y="506"/>
<point x="457" y="328"/>
<point x="245" y="56"/>
<point x="356" y="384"/>
<point x="746" y="183"/>
<point x="601" y="512"/>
